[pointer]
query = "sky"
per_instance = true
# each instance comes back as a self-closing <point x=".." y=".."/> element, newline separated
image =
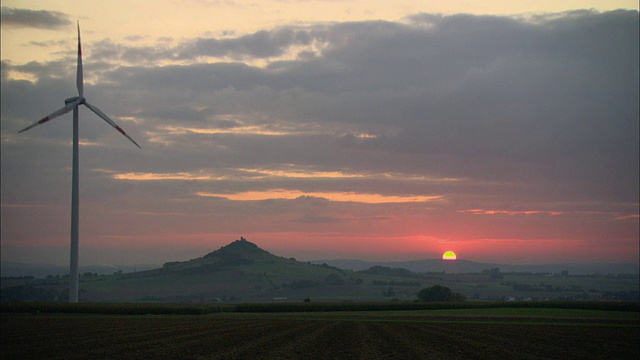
<point x="505" y="131"/>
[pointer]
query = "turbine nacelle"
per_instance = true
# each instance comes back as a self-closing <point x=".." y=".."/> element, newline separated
<point x="79" y="99"/>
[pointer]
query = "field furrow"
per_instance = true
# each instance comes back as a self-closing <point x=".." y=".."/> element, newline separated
<point x="266" y="336"/>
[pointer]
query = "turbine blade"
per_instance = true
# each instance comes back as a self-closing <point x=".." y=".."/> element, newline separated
<point x="53" y="115"/>
<point x="79" y="77"/>
<point x="111" y="122"/>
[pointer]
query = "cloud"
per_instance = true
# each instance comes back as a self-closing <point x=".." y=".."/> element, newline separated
<point x="261" y="44"/>
<point x="276" y="194"/>
<point x="310" y="219"/>
<point x="41" y="19"/>
<point x="512" y="212"/>
<point x="162" y="177"/>
<point x="523" y="118"/>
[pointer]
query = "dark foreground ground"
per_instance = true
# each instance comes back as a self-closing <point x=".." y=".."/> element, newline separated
<point x="408" y="335"/>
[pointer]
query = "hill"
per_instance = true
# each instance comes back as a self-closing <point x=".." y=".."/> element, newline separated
<point x="238" y="271"/>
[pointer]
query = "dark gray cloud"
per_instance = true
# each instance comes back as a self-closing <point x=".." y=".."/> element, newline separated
<point x="558" y="94"/>
<point x="41" y="19"/>
<point x="179" y="113"/>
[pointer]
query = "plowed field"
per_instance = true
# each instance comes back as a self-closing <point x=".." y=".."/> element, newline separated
<point x="300" y="336"/>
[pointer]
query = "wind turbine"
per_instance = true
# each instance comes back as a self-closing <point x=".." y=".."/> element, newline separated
<point x="72" y="104"/>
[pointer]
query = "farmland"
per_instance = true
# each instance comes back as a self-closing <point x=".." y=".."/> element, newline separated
<point x="242" y="272"/>
<point x="236" y="333"/>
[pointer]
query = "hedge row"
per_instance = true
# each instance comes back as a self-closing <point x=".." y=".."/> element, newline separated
<point x="111" y="308"/>
<point x="199" y="309"/>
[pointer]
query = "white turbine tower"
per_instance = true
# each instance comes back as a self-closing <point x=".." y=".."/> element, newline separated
<point x="73" y="104"/>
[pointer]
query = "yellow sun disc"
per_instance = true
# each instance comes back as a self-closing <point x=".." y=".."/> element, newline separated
<point x="449" y="255"/>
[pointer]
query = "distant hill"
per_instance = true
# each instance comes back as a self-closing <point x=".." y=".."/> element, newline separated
<point x="465" y="266"/>
<point x="240" y="270"/>
<point x="39" y="270"/>
<point x="244" y="252"/>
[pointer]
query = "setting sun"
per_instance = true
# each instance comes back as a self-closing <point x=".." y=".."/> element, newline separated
<point x="449" y="255"/>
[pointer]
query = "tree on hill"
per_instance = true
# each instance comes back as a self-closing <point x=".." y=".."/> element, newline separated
<point x="440" y="294"/>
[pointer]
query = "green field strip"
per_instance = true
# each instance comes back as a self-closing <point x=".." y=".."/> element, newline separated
<point x="478" y="322"/>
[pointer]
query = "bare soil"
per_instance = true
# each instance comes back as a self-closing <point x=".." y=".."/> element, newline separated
<point x="263" y="336"/>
